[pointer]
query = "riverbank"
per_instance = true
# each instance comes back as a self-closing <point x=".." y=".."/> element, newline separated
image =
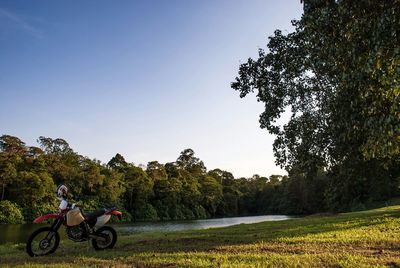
<point x="358" y="239"/>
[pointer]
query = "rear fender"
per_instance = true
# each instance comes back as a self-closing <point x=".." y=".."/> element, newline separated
<point x="115" y="212"/>
<point x="46" y="217"/>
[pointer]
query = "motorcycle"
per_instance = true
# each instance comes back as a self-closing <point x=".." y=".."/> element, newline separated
<point x="79" y="227"/>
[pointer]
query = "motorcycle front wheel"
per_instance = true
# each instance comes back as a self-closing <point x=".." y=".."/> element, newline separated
<point x="43" y="241"/>
<point x="106" y="238"/>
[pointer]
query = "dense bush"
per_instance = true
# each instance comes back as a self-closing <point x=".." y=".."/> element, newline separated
<point x="10" y="212"/>
<point x="145" y="212"/>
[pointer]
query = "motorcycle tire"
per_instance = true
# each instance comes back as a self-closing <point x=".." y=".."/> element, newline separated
<point x="111" y="239"/>
<point x="29" y="246"/>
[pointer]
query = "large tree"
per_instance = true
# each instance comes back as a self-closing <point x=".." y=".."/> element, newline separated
<point x="338" y="75"/>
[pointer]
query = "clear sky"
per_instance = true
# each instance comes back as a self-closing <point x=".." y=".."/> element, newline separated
<point x="145" y="79"/>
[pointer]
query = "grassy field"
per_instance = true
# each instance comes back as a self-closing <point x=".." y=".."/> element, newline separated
<point x="359" y="239"/>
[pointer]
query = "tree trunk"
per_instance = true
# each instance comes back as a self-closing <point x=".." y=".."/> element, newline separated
<point x="2" y="193"/>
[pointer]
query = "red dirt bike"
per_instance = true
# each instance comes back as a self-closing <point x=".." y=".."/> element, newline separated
<point x="79" y="227"/>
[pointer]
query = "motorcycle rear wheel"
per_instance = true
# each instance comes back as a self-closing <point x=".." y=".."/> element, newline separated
<point x="109" y="240"/>
<point x="43" y="241"/>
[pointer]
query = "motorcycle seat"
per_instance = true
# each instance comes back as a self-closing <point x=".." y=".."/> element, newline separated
<point x="95" y="214"/>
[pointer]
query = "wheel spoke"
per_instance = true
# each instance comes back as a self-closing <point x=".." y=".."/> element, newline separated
<point x="43" y="241"/>
<point x="105" y="240"/>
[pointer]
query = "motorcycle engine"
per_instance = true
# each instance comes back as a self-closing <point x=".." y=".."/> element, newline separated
<point x="76" y="233"/>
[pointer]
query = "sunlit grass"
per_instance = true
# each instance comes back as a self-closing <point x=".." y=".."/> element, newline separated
<point x="358" y="239"/>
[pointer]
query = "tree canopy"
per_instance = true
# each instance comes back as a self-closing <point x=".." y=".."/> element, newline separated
<point x="182" y="189"/>
<point x="338" y="75"/>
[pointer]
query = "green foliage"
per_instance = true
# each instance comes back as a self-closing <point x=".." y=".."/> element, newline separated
<point x="190" y="163"/>
<point x="32" y="212"/>
<point x="199" y="212"/>
<point x="112" y="188"/>
<point x="156" y="170"/>
<point x="139" y="188"/>
<point x="182" y="189"/>
<point x="145" y="211"/>
<point x="117" y="162"/>
<point x="12" y="145"/>
<point x="211" y="192"/>
<point x="126" y="216"/>
<point x="10" y="213"/>
<point x="338" y="75"/>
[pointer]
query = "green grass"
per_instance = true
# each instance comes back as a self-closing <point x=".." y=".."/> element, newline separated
<point x="358" y="239"/>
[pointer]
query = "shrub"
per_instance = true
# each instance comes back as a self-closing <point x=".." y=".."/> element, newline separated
<point x="200" y="212"/>
<point x="30" y="213"/>
<point x="145" y="212"/>
<point x="10" y="213"/>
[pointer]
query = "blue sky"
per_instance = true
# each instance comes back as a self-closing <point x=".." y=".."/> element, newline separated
<point x="146" y="79"/>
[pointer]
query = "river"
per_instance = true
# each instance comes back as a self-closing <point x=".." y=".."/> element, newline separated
<point x="19" y="233"/>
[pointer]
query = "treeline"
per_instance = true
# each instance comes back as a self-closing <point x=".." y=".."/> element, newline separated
<point x="182" y="189"/>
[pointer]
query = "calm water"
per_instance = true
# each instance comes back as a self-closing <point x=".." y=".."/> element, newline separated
<point x="19" y="233"/>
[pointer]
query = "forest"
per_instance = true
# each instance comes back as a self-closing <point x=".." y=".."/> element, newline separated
<point x="183" y="189"/>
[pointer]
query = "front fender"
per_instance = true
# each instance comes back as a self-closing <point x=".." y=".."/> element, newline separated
<point x="46" y="217"/>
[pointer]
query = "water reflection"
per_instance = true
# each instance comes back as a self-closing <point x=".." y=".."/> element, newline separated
<point x="194" y="225"/>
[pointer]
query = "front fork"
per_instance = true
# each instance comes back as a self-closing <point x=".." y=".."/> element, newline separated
<point x="54" y="227"/>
